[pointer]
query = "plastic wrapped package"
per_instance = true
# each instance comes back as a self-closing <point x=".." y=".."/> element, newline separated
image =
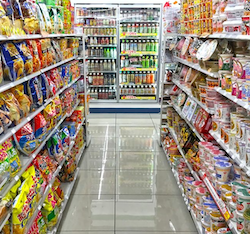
<point x="54" y="20"/>
<point x="25" y="139"/>
<point x="45" y="87"/>
<point x="57" y="147"/>
<point x="65" y="138"/>
<point x="42" y="52"/>
<point x="13" y="63"/>
<point x="35" y="56"/>
<point x="57" y="48"/>
<point x="45" y="13"/>
<point x="40" y="128"/>
<point x="35" y="92"/>
<point x="39" y="226"/>
<point x="4" y="165"/>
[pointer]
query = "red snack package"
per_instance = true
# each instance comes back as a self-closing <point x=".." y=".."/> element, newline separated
<point x="34" y="53"/>
<point x="40" y="127"/>
<point x="42" y="52"/>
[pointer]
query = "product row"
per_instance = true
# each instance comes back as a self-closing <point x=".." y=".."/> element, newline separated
<point x="95" y="12"/>
<point x="144" y="61"/>
<point x="100" y="31"/>
<point x="139" y="28"/>
<point x="137" y="77"/>
<point x="101" y="65"/>
<point x="140" y="14"/>
<point x="138" y="91"/>
<point x="102" y="93"/>
<point x="23" y="99"/>
<point x="25" y="57"/>
<point x="140" y="45"/>
<point x="103" y="41"/>
<point x="102" y="52"/>
<point x="99" y="22"/>
<point x="101" y="79"/>
<point x="32" y="18"/>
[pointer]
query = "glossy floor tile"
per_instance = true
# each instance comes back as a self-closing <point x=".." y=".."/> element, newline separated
<point x="125" y="184"/>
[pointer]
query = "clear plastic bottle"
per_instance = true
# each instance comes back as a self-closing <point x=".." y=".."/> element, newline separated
<point x="92" y="52"/>
<point x="101" y="65"/>
<point x="139" y="45"/>
<point x="126" y="61"/>
<point x="123" y="45"/>
<point x="144" y="45"/>
<point x="132" y="77"/>
<point x="109" y="65"/>
<point x="131" y="45"/>
<point x="113" y="65"/>
<point x="95" y="41"/>
<point x="115" y="53"/>
<point x="97" y="68"/>
<point x="122" y="61"/>
<point x="114" y="41"/>
<point x="90" y="79"/>
<point x="141" y="30"/>
<point x="135" y="45"/>
<point x="148" y="45"/>
<point x="105" y="65"/>
<point x="112" y="52"/>
<point x="111" y="41"/>
<point x="127" y="45"/>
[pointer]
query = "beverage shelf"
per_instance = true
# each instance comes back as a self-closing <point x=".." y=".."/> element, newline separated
<point x="101" y="45"/>
<point x="138" y="53"/>
<point x="101" y="35"/>
<point x="100" y="58"/>
<point x="138" y="69"/>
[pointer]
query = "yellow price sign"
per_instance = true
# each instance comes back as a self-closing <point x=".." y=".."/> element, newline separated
<point x="226" y="215"/>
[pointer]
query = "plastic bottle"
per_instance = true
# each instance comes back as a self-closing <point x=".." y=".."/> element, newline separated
<point x="139" y="45"/>
<point x="140" y="77"/>
<point x="152" y="78"/>
<point x="152" y="45"/>
<point x="144" y="78"/>
<point x="149" y="29"/>
<point x="155" y="62"/>
<point x="115" y="53"/>
<point x="148" y="45"/>
<point x="127" y="45"/>
<point x="147" y="62"/>
<point x="101" y="66"/>
<point x="90" y="79"/>
<point x="108" y="53"/>
<point x="153" y="28"/>
<point x="148" y="77"/>
<point x="112" y="52"/>
<point x="143" y="62"/>
<point x="132" y="77"/>
<point x="105" y="65"/>
<point x="124" y="77"/>
<point x="131" y="45"/>
<point x="145" y="30"/>
<point x="144" y="45"/>
<point x="135" y="45"/>
<point x="105" y="52"/>
<point x="123" y="46"/>
<point x="128" y="77"/>
<point x="126" y="62"/>
<point x="113" y="65"/>
<point x="95" y="41"/>
<point x="109" y="65"/>
<point x="111" y="41"/>
<point x="141" y="28"/>
<point x="114" y="41"/>
<point x="97" y="68"/>
<point x="156" y="46"/>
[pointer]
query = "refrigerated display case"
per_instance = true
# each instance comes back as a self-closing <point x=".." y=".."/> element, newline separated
<point x="123" y="47"/>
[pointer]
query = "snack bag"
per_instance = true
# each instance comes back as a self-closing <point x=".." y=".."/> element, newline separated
<point x="40" y="128"/>
<point x="60" y="22"/>
<point x="65" y="138"/>
<point x="50" y="210"/>
<point x="34" y="53"/>
<point x="25" y="139"/>
<point x="54" y="20"/>
<point x="46" y="17"/>
<point x="57" y="190"/>
<point x="35" y="92"/>
<point x="5" y="22"/>
<point x="22" y="99"/>
<point x="42" y="52"/>
<point x="45" y="87"/>
<point x="4" y="166"/>
<point x="39" y="225"/>
<point x="24" y="51"/>
<point x="58" y="106"/>
<point x="57" y="147"/>
<point x="68" y="170"/>
<point x="41" y="164"/>
<point x="52" y="53"/>
<point x="12" y="61"/>
<point x="5" y="121"/>
<point x="49" y="113"/>
<point x="56" y="78"/>
<point x="52" y="85"/>
<point x="31" y="23"/>
<point x="13" y="106"/>
<point x="57" y="49"/>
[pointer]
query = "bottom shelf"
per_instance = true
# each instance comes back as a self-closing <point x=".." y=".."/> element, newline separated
<point x="196" y="222"/>
<point x="67" y="189"/>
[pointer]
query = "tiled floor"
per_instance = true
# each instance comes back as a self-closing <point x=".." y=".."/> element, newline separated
<point x="125" y="185"/>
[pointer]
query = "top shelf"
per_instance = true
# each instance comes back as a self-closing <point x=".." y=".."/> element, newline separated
<point x="96" y="17"/>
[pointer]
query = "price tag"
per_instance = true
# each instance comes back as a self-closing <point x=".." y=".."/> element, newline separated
<point x="16" y="178"/>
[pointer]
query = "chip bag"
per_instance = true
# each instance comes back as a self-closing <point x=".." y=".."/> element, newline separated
<point x="12" y="61"/>
<point x="25" y="53"/>
<point x="50" y="210"/>
<point x="57" y="147"/>
<point x="46" y="17"/>
<point x="4" y="166"/>
<point x="52" y="85"/>
<point x="65" y="138"/>
<point x="45" y="87"/>
<point x="40" y="128"/>
<point x="25" y="139"/>
<point x="42" y="52"/>
<point x="57" y="49"/>
<point x="35" y="92"/>
<point x="39" y="226"/>
<point x="34" y="53"/>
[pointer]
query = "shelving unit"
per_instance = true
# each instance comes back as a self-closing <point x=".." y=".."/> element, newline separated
<point x="26" y="161"/>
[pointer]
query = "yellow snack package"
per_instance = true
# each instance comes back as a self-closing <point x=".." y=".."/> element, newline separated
<point x="22" y="98"/>
<point x="50" y="210"/>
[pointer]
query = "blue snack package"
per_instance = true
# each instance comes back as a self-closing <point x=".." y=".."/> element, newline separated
<point x="57" y="147"/>
<point x="24" y="51"/>
<point x="25" y="139"/>
<point x="13" y="65"/>
<point x="40" y="127"/>
<point x="35" y="93"/>
<point x="65" y="138"/>
<point x="45" y="87"/>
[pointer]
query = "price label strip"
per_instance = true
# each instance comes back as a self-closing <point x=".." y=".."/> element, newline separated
<point x="221" y="205"/>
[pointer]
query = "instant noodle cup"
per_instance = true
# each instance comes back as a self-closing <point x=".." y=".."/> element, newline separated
<point x="222" y="170"/>
<point x="204" y="226"/>
<point x="225" y="61"/>
<point x="243" y="200"/>
<point x="246" y="217"/>
<point x="217" y="221"/>
<point x="237" y="172"/>
<point x="200" y="192"/>
<point x="209" y="207"/>
<point x="224" y="231"/>
<point x="198" y="209"/>
<point x="239" y="221"/>
<point x="195" y="185"/>
<point x="232" y="209"/>
<point x="238" y="185"/>
<point x="215" y="123"/>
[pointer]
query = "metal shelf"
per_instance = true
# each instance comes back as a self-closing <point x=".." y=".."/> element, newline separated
<point x="102" y="71"/>
<point x="100" y="58"/>
<point x="189" y="93"/>
<point x="101" y="45"/>
<point x="101" y="35"/>
<point x="105" y="26"/>
<point x="95" y="17"/>
<point x="97" y="86"/>
<point x="139" y="21"/>
<point x="139" y="85"/>
<point x="138" y="69"/>
<point x="139" y="53"/>
<point x="196" y="67"/>
<point x="233" y="98"/>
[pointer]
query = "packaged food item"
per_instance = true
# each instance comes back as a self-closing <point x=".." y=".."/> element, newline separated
<point x="35" y="56"/>
<point x="54" y="20"/>
<point x="68" y="171"/>
<point x="5" y="121"/>
<point x="57" y="147"/>
<point x="12" y="106"/>
<point x="4" y="166"/>
<point x="39" y="226"/>
<point x="5" y="15"/>
<point x="12" y="61"/>
<point x="49" y="113"/>
<point x="57" y="49"/>
<point x="45" y="13"/>
<point x="50" y="210"/>
<point x="52" y="85"/>
<point x="40" y="130"/>
<point x="35" y="92"/>
<point x="24" y="51"/>
<point x="42" y="26"/>
<point x="42" y="52"/>
<point x="45" y="87"/>
<point x="23" y="99"/>
<point x="52" y="53"/>
<point x="25" y="139"/>
<point x="65" y="138"/>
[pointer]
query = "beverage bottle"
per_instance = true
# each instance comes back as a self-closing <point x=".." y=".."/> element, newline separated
<point x="148" y="77"/>
<point x="156" y="46"/>
<point x="139" y="45"/>
<point x="133" y="28"/>
<point x="153" y="28"/>
<point x="135" y="45"/>
<point x="111" y="41"/>
<point x="127" y="45"/>
<point x="97" y="68"/>
<point x="144" y="45"/>
<point x="101" y="66"/>
<point x="115" y="53"/>
<point x="137" y="28"/>
<point x="95" y="41"/>
<point x="152" y="45"/>
<point x="123" y="46"/>
<point x="126" y="61"/>
<point x="99" y="41"/>
<point x="157" y="28"/>
<point x="136" y="77"/>
<point x="151" y="62"/>
<point x="141" y="28"/>
<point x="140" y="77"/>
<point x="131" y="45"/>
<point x="107" y="41"/>
<point x="109" y="65"/>
<point x="152" y="78"/>
<point x="149" y="29"/>
<point x="101" y="52"/>
<point x="124" y="77"/>
<point x="108" y="53"/>
<point x="112" y="53"/>
<point x="122" y="61"/>
<point x="90" y="79"/>
<point x="105" y="52"/>
<point x="143" y="62"/>
<point x="128" y="77"/>
<point x="103" y="41"/>
<point x="114" y="41"/>
<point x="113" y="65"/>
<point x="147" y="62"/>
<point x="105" y="65"/>
<point x="144" y="78"/>
<point x="92" y="52"/>
<point x="148" y="45"/>
<point x="155" y="62"/>
<point x="113" y="79"/>
<point x="91" y="42"/>
<point x="132" y="77"/>
<point x="128" y="28"/>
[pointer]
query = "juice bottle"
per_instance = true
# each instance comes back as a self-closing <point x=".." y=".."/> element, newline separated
<point x="143" y="62"/>
<point x="136" y="78"/>
<point x="144" y="78"/>
<point x="132" y="77"/>
<point x="123" y="46"/>
<point x="148" y="77"/>
<point x="128" y="77"/>
<point x="152" y="78"/>
<point x="156" y="46"/>
<point x="152" y="45"/>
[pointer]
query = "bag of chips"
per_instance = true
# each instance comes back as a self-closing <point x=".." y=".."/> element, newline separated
<point x="42" y="26"/>
<point x="25" y="139"/>
<point x="12" y="61"/>
<point x="45" y="87"/>
<point x="42" y="52"/>
<point x="34" y="53"/>
<point x="65" y="138"/>
<point x="39" y="226"/>
<point x="4" y="166"/>
<point x="52" y="86"/>
<point x="40" y="128"/>
<point x="57" y="147"/>
<point x="5" y="121"/>
<point x="24" y="51"/>
<point x="46" y="17"/>
<point x="35" y="92"/>
<point x="57" y="49"/>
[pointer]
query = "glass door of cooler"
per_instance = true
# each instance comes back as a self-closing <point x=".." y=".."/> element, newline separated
<point x="140" y="42"/>
<point x="99" y="23"/>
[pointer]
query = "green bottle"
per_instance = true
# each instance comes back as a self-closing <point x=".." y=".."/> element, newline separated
<point x="108" y="53"/>
<point x="148" y="45"/>
<point x="143" y="62"/>
<point x="105" y="52"/>
<point x="156" y="46"/>
<point x="147" y="62"/>
<point x="155" y="62"/>
<point x="151" y="62"/>
<point x="152" y="45"/>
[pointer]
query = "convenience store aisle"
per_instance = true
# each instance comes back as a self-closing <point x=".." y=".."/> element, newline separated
<point x="125" y="184"/>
